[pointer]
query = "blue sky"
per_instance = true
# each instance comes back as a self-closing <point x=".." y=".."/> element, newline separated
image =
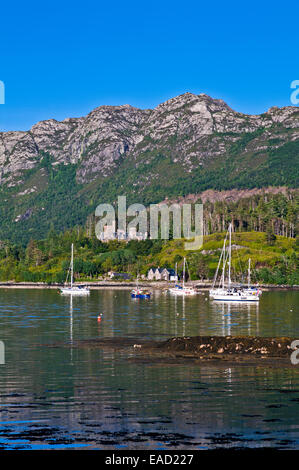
<point x="62" y="59"/>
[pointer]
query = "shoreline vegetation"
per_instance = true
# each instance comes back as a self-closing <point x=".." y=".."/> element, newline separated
<point x="122" y="285"/>
<point x="274" y="258"/>
<point x="265" y="230"/>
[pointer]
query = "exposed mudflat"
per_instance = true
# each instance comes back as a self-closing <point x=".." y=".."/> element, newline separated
<point x="247" y="350"/>
<point x="232" y="349"/>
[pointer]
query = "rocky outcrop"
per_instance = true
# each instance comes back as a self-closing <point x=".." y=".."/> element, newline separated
<point x="214" y="350"/>
<point x="232" y="195"/>
<point x="196" y="128"/>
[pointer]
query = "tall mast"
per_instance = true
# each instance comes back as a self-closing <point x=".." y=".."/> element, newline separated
<point x="219" y="264"/>
<point x="184" y="275"/>
<point x="72" y="265"/>
<point x="249" y="273"/>
<point x="229" y="255"/>
<point x="224" y="261"/>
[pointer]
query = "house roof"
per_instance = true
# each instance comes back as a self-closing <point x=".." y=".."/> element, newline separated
<point x="160" y="270"/>
<point x="124" y="275"/>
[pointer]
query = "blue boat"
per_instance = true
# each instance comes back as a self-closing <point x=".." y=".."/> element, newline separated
<point x="140" y="294"/>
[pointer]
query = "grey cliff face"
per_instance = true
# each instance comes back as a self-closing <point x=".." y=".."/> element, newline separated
<point x="195" y="127"/>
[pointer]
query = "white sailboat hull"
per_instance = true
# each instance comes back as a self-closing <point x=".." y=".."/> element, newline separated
<point x="182" y="291"/>
<point x="75" y="290"/>
<point x="229" y="293"/>
<point x="71" y="289"/>
<point x="238" y="296"/>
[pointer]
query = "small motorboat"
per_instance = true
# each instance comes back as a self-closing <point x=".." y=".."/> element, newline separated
<point x="140" y="294"/>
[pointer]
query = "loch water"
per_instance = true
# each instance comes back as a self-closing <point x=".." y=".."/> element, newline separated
<point x="55" y="395"/>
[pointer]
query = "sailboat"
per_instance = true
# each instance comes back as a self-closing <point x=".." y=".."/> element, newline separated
<point x="73" y="290"/>
<point x="226" y="291"/>
<point x="251" y="289"/>
<point x="138" y="293"/>
<point x="182" y="290"/>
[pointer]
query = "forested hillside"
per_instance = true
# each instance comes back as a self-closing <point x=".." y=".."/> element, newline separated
<point x="58" y="172"/>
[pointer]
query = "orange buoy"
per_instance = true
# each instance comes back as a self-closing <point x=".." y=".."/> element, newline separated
<point x="99" y="317"/>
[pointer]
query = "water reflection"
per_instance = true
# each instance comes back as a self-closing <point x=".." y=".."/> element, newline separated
<point x="53" y="393"/>
<point x="234" y="314"/>
<point x="71" y="327"/>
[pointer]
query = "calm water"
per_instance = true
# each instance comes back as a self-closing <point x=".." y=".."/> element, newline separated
<point x="67" y="397"/>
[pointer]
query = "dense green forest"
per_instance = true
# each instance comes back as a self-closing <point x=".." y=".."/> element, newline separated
<point x="50" y="192"/>
<point x="262" y="212"/>
<point x="265" y="230"/>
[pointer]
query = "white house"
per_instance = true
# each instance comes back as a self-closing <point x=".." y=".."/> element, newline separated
<point x="160" y="274"/>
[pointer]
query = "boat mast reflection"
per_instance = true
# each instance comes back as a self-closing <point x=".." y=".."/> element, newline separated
<point x="71" y="326"/>
<point x="245" y="314"/>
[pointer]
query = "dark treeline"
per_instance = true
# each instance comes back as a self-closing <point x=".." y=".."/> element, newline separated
<point x="265" y="216"/>
<point x="262" y="213"/>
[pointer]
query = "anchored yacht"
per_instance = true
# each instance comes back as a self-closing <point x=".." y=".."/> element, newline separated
<point x="225" y="290"/>
<point x="73" y="290"/>
<point x="182" y="290"/>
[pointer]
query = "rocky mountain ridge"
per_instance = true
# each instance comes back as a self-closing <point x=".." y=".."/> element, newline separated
<point x="109" y="135"/>
<point x="58" y="172"/>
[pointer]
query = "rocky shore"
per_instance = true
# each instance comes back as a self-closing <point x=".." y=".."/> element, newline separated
<point x="223" y="346"/>
<point x="216" y="350"/>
